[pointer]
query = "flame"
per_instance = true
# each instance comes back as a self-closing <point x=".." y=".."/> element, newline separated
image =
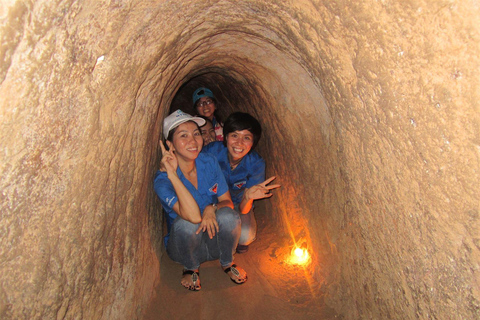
<point x="292" y="217"/>
<point x="300" y="256"/>
<point x="299" y="252"/>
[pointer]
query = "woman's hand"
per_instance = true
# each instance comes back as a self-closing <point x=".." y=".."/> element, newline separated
<point x="209" y="222"/>
<point x="169" y="163"/>
<point x="261" y="190"/>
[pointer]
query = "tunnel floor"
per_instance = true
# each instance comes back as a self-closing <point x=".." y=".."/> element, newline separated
<point x="275" y="289"/>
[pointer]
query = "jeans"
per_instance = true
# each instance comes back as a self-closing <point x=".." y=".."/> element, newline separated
<point x="191" y="250"/>
<point x="249" y="227"/>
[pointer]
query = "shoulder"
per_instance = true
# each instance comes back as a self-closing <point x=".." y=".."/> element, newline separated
<point x="214" y="147"/>
<point x="159" y="176"/>
<point x="161" y="183"/>
<point x="254" y="163"/>
<point x="206" y="160"/>
<point x="206" y="157"/>
<point x="254" y="158"/>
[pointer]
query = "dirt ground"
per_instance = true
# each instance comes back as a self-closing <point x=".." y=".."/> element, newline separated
<point x="275" y="288"/>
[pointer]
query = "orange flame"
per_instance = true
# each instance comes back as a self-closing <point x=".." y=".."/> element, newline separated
<point x="300" y="256"/>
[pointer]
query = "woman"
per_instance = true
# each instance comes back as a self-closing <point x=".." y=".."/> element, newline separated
<point x="244" y="170"/>
<point x="205" y="104"/>
<point x="201" y="222"/>
<point x="207" y="130"/>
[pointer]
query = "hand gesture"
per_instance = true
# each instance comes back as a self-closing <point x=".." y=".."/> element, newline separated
<point x="261" y="190"/>
<point x="169" y="161"/>
<point x="209" y="222"/>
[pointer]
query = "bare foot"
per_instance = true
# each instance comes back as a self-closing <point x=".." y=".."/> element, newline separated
<point x="191" y="280"/>
<point x="236" y="274"/>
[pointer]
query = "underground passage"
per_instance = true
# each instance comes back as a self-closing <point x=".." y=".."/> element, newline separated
<point x="371" y="124"/>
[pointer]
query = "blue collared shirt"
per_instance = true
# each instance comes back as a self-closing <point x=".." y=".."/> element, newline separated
<point x="249" y="172"/>
<point x="211" y="185"/>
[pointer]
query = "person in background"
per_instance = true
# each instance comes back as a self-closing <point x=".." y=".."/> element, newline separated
<point x="244" y="170"/>
<point x="208" y="133"/>
<point x="205" y="104"/>
<point x="201" y="222"/>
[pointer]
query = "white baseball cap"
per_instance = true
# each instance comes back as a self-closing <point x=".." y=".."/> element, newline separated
<point x="177" y="118"/>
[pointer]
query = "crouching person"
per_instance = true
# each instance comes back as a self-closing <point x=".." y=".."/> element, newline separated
<point x="244" y="170"/>
<point x="201" y="222"/>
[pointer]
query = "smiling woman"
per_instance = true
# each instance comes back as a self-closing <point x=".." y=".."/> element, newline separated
<point x="205" y="104"/>
<point x="244" y="170"/>
<point x="186" y="142"/>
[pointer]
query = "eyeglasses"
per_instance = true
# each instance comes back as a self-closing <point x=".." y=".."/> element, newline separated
<point x="204" y="103"/>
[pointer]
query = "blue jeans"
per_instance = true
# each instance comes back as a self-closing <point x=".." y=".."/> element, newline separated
<point x="249" y="227"/>
<point x="190" y="249"/>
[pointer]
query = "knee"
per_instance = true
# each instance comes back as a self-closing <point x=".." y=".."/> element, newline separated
<point x="247" y="235"/>
<point x="228" y="217"/>
<point x="183" y="227"/>
<point x="249" y="229"/>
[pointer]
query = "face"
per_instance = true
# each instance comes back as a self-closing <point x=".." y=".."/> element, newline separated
<point x="239" y="144"/>
<point x="208" y="133"/>
<point x="205" y="107"/>
<point x="187" y="141"/>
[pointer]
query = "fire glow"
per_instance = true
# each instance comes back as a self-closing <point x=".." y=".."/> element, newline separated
<point x="299" y="256"/>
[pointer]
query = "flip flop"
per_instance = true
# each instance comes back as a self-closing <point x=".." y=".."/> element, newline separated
<point x="236" y="273"/>
<point x="242" y="248"/>
<point x="195" y="277"/>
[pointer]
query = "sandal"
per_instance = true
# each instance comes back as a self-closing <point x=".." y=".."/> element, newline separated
<point x="195" y="278"/>
<point x="242" y="248"/>
<point x="236" y="273"/>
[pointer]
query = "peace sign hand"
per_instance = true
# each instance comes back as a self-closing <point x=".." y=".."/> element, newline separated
<point x="169" y="161"/>
<point x="261" y="190"/>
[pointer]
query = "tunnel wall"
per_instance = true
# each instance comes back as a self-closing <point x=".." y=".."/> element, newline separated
<point x="76" y="165"/>
<point x="371" y="124"/>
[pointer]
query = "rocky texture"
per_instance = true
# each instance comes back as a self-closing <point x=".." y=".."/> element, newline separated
<point x="371" y="119"/>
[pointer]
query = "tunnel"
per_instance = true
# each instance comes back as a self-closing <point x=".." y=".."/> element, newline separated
<point x="370" y="120"/>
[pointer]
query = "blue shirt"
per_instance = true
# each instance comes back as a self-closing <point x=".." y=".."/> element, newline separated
<point x="211" y="185"/>
<point x="249" y="172"/>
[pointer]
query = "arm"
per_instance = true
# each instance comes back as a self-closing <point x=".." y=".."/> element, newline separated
<point x="225" y="200"/>
<point x="209" y="218"/>
<point x="186" y="206"/>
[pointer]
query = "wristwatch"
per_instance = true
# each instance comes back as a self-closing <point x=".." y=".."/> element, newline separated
<point x="214" y="205"/>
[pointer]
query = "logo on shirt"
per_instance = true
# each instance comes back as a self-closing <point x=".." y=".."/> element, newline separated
<point x="169" y="201"/>
<point x="214" y="188"/>
<point x="240" y="184"/>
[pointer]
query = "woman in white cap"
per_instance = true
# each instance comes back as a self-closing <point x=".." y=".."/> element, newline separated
<point x="205" y="104"/>
<point x="201" y="222"/>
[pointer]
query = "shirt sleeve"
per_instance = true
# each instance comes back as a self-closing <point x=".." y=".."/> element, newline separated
<point x="257" y="173"/>
<point x="165" y="191"/>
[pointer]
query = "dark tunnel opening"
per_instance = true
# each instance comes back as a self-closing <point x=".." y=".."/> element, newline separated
<point x="233" y="94"/>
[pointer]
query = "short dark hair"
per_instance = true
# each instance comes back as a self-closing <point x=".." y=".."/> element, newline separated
<point x="239" y="121"/>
